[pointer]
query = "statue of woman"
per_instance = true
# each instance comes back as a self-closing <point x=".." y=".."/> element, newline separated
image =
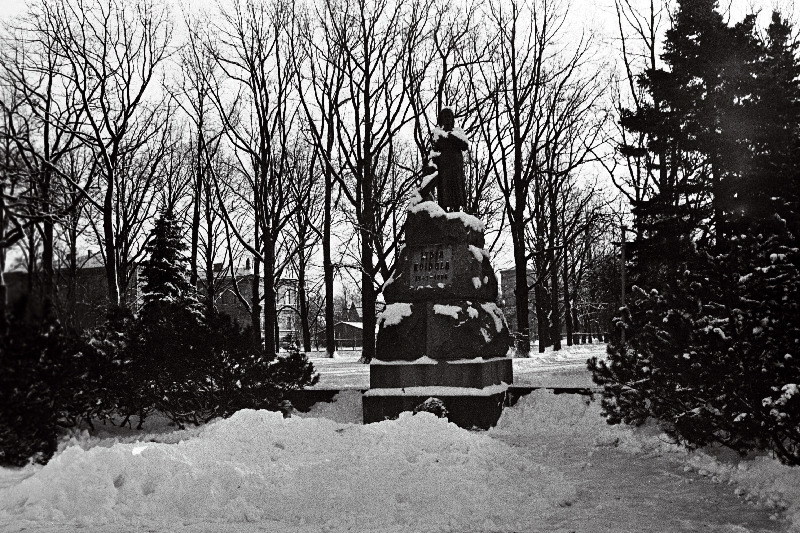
<point x="447" y="160"/>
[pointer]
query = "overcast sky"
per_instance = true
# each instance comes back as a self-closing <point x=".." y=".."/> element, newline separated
<point x="596" y="15"/>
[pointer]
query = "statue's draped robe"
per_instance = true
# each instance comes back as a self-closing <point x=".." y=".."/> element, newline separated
<point x="451" y="183"/>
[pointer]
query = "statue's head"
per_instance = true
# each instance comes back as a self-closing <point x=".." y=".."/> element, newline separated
<point x="447" y="119"/>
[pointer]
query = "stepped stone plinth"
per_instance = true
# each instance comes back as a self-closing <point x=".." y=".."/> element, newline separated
<point x="441" y="333"/>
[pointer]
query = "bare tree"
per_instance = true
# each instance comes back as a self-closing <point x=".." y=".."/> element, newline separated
<point x="43" y="118"/>
<point x="112" y="51"/>
<point x="321" y="82"/>
<point x="525" y="89"/>
<point x="635" y="171"/>
<point x="573" y="134"/>
<point x="12" y="186"/>
<point x="374" y="37"/>
<point x="253" y="97"/>
<point x="193" y="96"/>
<point x="71" y="230"/>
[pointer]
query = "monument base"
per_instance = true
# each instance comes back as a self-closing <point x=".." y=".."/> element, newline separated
<point x="474" y="373"/>
<point x="467" y="408"/>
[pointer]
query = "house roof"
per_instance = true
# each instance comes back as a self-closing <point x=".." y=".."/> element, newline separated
<point x="357" y="325"/>
<point x="83" y="262"/>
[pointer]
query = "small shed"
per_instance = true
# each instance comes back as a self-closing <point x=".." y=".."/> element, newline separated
<point x="349" y="334"/>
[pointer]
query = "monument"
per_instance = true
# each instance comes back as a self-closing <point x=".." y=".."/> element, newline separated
<point x="441" y="334"/>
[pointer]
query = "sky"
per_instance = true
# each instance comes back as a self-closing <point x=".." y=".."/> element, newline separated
<point x="597" y="13"/>
<point x="596" y="16"/>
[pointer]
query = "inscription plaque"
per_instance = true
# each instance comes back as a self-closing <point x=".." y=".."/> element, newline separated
<point x="431" y="266"/>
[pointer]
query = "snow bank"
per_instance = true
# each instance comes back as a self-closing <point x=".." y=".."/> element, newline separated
<point x="345" y="408"/>
<point x="417" y="473"/>
<point x="759" y="479"/>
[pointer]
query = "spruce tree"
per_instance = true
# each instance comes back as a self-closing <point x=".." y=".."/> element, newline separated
<point x="166" y="266"/>
<point x="712" y="323"/>
<point x="169" y="339"/>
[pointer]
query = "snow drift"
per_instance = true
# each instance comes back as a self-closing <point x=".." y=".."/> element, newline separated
<point x="419" y="472"/>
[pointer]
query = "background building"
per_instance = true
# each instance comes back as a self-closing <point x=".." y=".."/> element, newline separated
<point x="349" y="329"/>
<point x="81" y="296"/>
<point x="81" y="299"/>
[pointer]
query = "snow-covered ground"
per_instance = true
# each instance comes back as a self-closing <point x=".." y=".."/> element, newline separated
<point x="551" y="464"/>
<point x="564" y="368"/>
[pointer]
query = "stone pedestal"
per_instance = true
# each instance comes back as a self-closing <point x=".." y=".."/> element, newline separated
<point x="441" y="333"/>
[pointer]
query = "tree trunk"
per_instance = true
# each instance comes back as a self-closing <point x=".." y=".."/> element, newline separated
<point x="567" y="298"/>
<point x="555" y="318"/>
<point x="3" y="295"/>
<point x="31" y="277"/>
<point x="517" y="223"/>
<point x="195" y="234"/>
<point x="542" y="323"/>
<point x="270" y="300"/>
<point x="302" y="304"/>
<point x="48" y="273"/>
<point x="367" y="286"/>
<point x="72" y="290"/>
<point x="198" y="191"/>
<point x="3" y="291"/>
<point x="255" y="305"/>
<point x="368" y="307"/>
<point x="575" y="323"/>
<point x="587" y="324"/>
<point x="277" y="328"/>
<point x="521" y="301"/>
<point x="368" y="229"/>
<point x="327" y="262"/>
<point x="110" y="245"/>
<point x="211" y="289"/>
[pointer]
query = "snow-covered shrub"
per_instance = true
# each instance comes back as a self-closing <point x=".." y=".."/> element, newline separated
<point x="432" y="405"/>
<point x="241" y="375"/>
<point x="168" y="350"/>
<point x="49" y="379"/>
<point x="713" y="355"/>
<point x="28" y="427"/>
<point x="168" y="363"/>
<point x="194" y="366"/>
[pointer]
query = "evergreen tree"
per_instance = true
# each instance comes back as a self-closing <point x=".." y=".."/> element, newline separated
<point x="712" y="324"/>
<point x="168" y="349"/>
<point x="190" y="366"/>
<point x="165" y="270"/>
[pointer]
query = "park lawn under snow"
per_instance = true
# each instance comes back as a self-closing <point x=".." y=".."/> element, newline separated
<point x="551" y="464"/>
<point x="563" y="368"/>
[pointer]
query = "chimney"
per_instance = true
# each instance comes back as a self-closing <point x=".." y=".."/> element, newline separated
<point x="247" y="264"/>
<point x="89" y="254"/>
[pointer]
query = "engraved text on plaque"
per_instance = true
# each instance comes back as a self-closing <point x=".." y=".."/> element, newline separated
<point x="431" y="266"/>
